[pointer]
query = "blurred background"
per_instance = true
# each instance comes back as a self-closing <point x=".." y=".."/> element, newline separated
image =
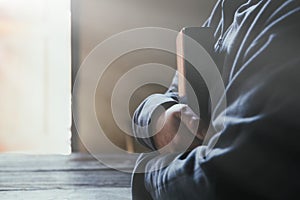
<point x="35" y="76"/>
<point x="43" y="43"/>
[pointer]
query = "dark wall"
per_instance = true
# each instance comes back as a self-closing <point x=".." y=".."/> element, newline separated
<point x="95" y="20"/>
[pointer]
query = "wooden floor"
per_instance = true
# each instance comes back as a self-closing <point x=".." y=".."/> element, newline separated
<point x="78" y="176"/>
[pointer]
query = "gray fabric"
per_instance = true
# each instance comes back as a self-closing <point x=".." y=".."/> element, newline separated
<point x="257" y="154"/>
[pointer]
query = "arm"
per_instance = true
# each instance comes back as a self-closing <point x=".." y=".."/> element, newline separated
<point x="143" y="116"/>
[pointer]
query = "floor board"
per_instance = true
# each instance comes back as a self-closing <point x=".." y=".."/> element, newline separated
<point x="78" y="176"/>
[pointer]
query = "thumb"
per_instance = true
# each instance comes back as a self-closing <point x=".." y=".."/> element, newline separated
<point x="193" y="122"/>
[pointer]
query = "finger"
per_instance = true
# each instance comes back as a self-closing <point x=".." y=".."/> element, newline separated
<point x="193" y="122"/>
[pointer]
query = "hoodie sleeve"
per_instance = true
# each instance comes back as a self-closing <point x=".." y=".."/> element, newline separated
<point x="257" y="153"/>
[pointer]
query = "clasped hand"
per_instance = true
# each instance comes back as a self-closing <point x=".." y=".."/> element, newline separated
<point x="178" y="129"/>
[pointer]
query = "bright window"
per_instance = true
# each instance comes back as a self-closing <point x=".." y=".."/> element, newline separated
<point x="35" y="76"/>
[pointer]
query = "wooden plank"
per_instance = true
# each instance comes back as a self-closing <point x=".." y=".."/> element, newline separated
<point x="17" y="162"/>
<point x="78" y="176"/>
<point x="62" y="179"/>
<point x="82" y="194"/>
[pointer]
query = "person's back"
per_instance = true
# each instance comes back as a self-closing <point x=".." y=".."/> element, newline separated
<point x="257" y="153"/>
